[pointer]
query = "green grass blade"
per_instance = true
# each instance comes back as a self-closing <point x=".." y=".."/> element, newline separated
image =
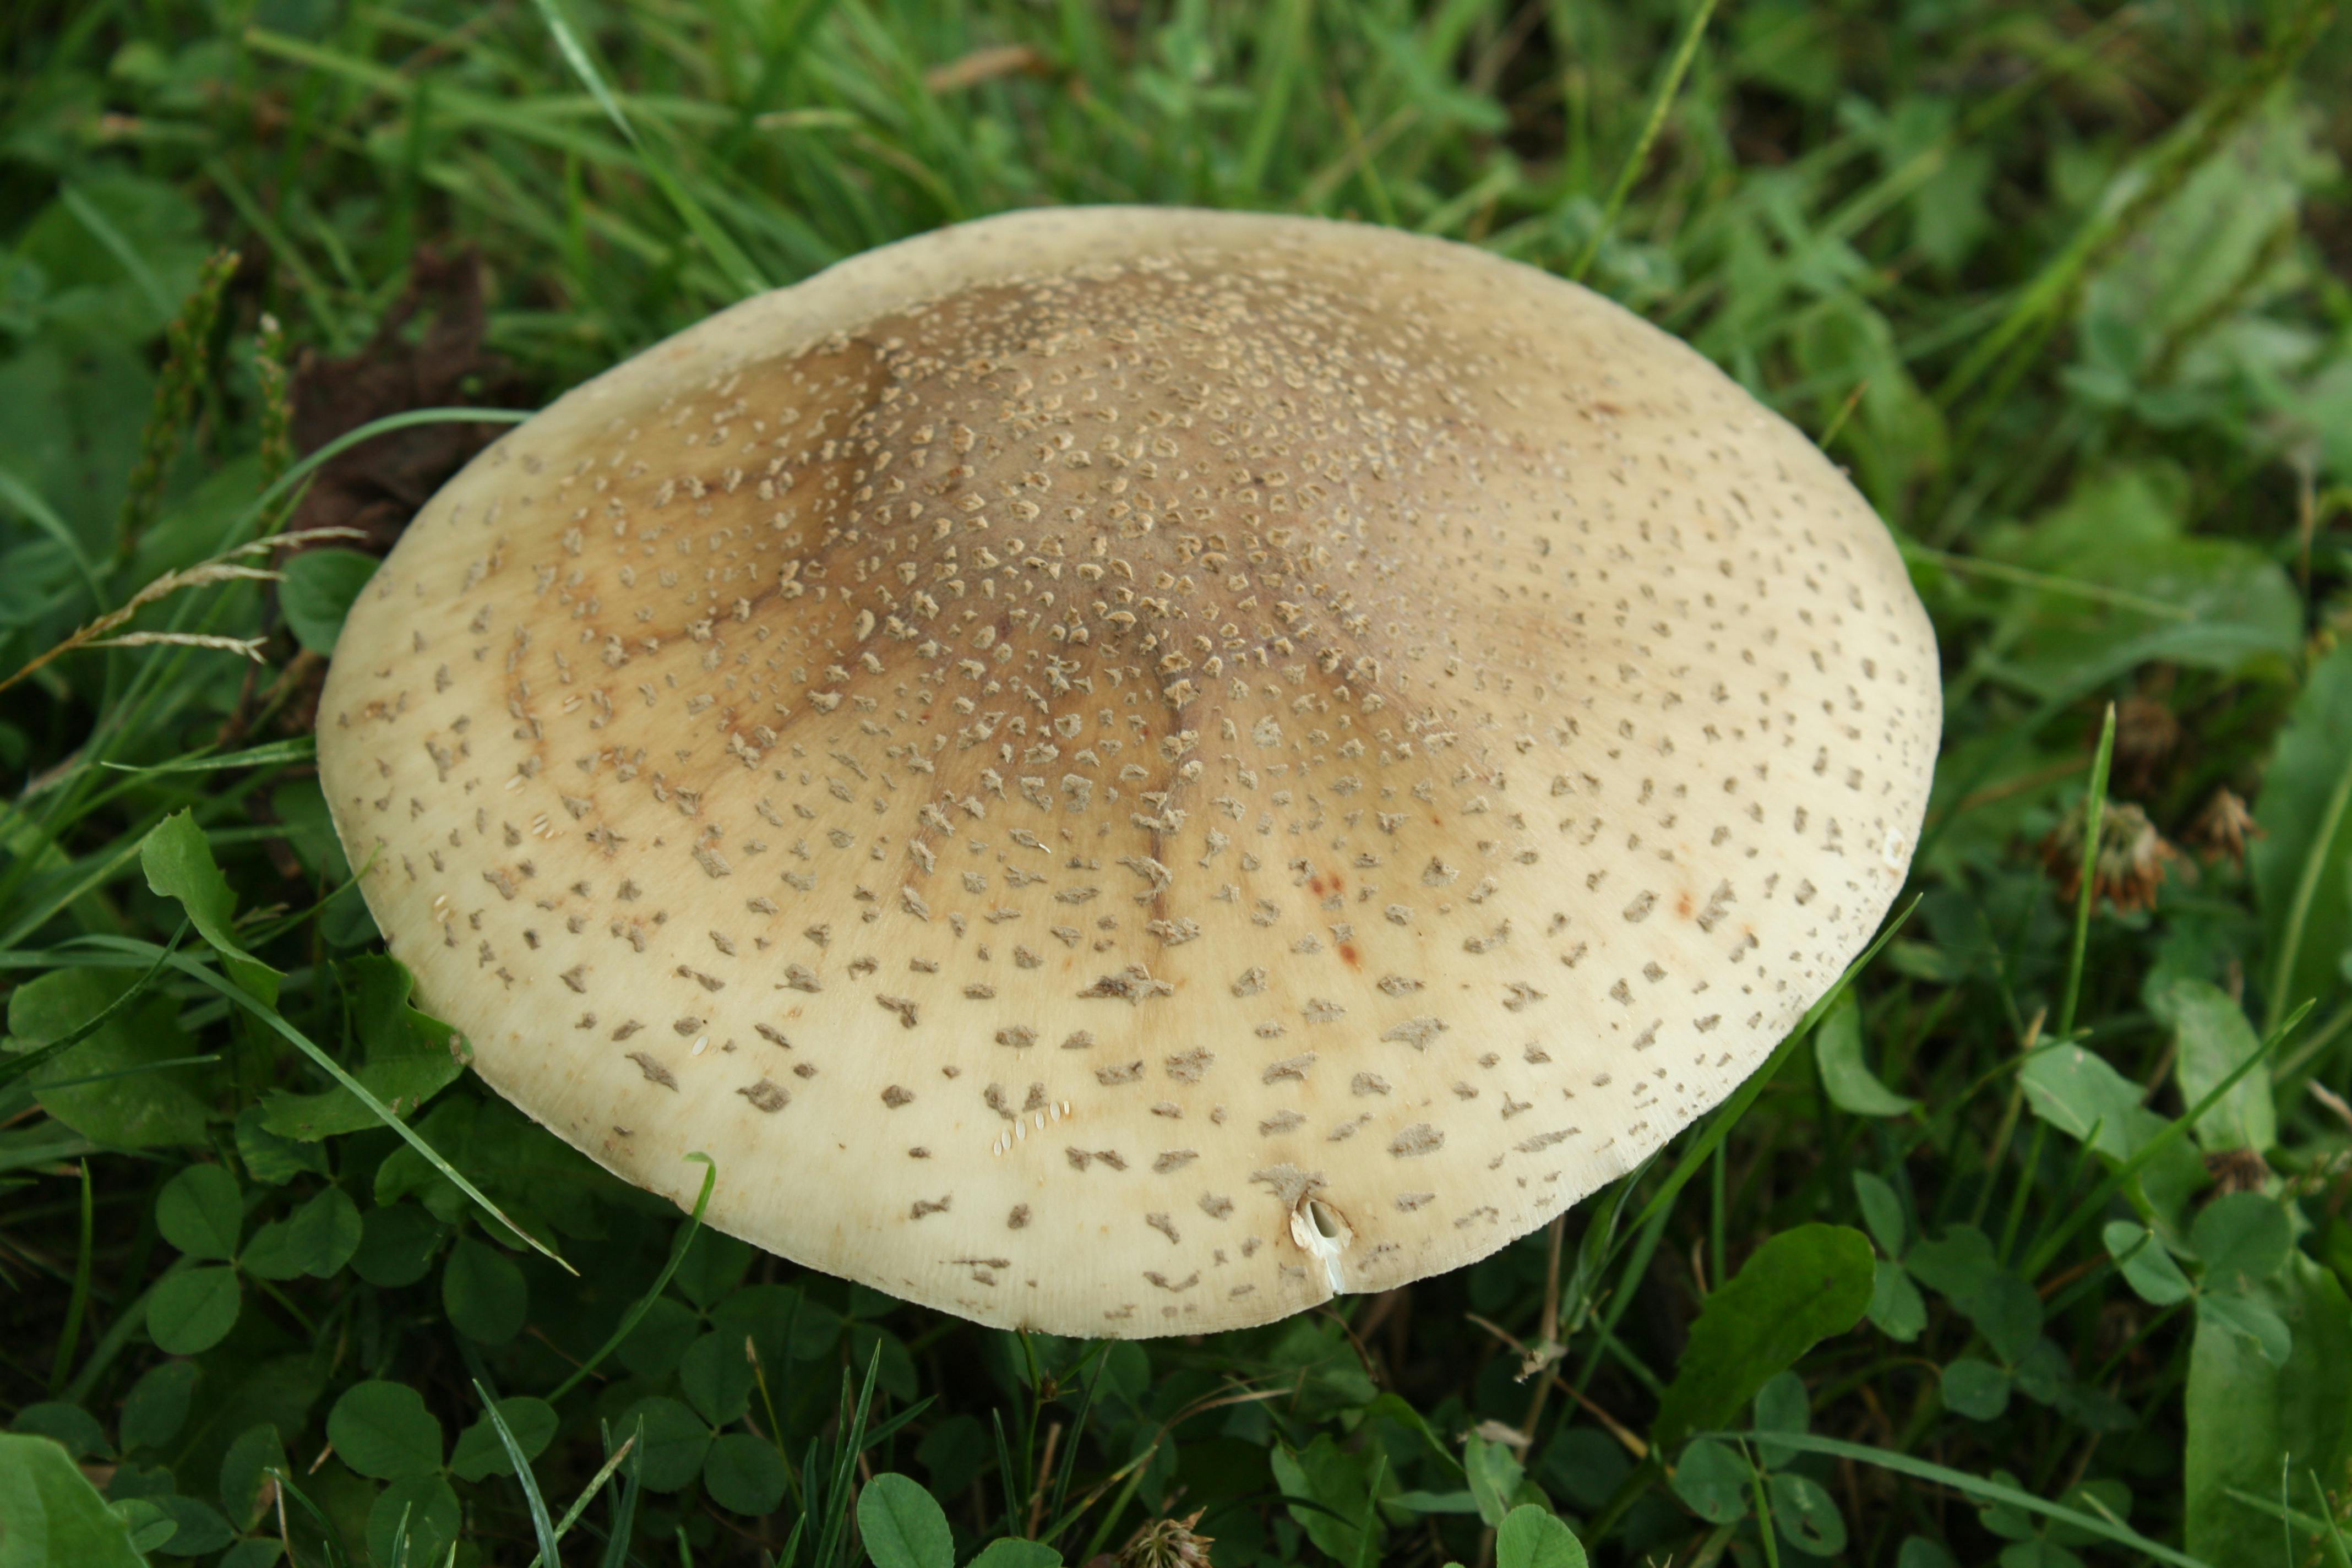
<point x="1060" y="1498"/>
<point x="1283" y="43"/>
<point x="38" y="511"/>
<point x="1008" y="1475"/>
<point x="834" y="1544"/>
<point x="2306" y="890"/>
<point x="1719" y="1125"/>
<point x="18" y="1064"/>
<point x="2114" y="1534"/>
<point x="2038" y="305"/>
<point x="126" y="255"/>
<point x="317" y="297"/>
<point x="337" y="1556"/>
<point x="300" y="473"/>
<point x="1368" y="1527"/>
<point x="274" y="754"/>
<point x="625" y="1507"/>
<point x="1661" y="104"/>
<point x="729" y="255"/>
<point x="274" y="1022"/>
<point x="596" y="1483"/>
<point x="61" y="799"/>
<point x="2044" y="582"/>
<point x="2095" y="816"/>
<point x="661" y="1282"/>
<point x="2339" y="1551"/>
<point x="2047" y="1249"/>
<point x="77" y="1304"/>
<point x="541" y="1525"/>
<point x="133" y="1072"/>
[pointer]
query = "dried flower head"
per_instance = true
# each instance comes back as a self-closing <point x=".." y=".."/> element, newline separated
<point x="2223" y="827"/>
<point x="1168" y="1544"/>
<point x="2238" y="1170"/>
<point x="2147" y="734"/>
<point x="2126" y="869"/>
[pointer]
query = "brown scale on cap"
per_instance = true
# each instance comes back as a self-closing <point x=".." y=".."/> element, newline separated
<point x="1126" y="771"/>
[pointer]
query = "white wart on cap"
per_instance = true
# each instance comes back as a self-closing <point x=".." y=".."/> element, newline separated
<point x="1126" y="771"/>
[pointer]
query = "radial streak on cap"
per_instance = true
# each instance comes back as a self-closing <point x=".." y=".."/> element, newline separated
<point x="1125" y="771"/>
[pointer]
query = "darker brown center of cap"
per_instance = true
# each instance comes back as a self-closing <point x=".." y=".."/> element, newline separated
<point x="1229" y="492"/>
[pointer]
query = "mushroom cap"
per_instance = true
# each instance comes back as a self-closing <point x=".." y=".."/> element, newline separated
<point x="1124" y="771"/>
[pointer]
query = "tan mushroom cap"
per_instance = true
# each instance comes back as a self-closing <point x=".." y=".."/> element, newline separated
<point x="1124" y="771"/>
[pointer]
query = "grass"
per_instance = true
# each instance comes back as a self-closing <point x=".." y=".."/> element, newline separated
<point x="2062" y="1181"/>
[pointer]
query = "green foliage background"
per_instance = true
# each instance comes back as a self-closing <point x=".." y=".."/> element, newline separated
<point x="2031" y="1251"/>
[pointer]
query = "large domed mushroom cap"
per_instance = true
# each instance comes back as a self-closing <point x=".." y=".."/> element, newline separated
<point x="1125" y="771"/>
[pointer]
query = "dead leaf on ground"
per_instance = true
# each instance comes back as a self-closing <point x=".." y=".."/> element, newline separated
<point x="986" y="65"/>
<point x="378" y="486"/>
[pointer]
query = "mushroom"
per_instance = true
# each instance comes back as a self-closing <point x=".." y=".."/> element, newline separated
<point x="1126" y="771"/>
